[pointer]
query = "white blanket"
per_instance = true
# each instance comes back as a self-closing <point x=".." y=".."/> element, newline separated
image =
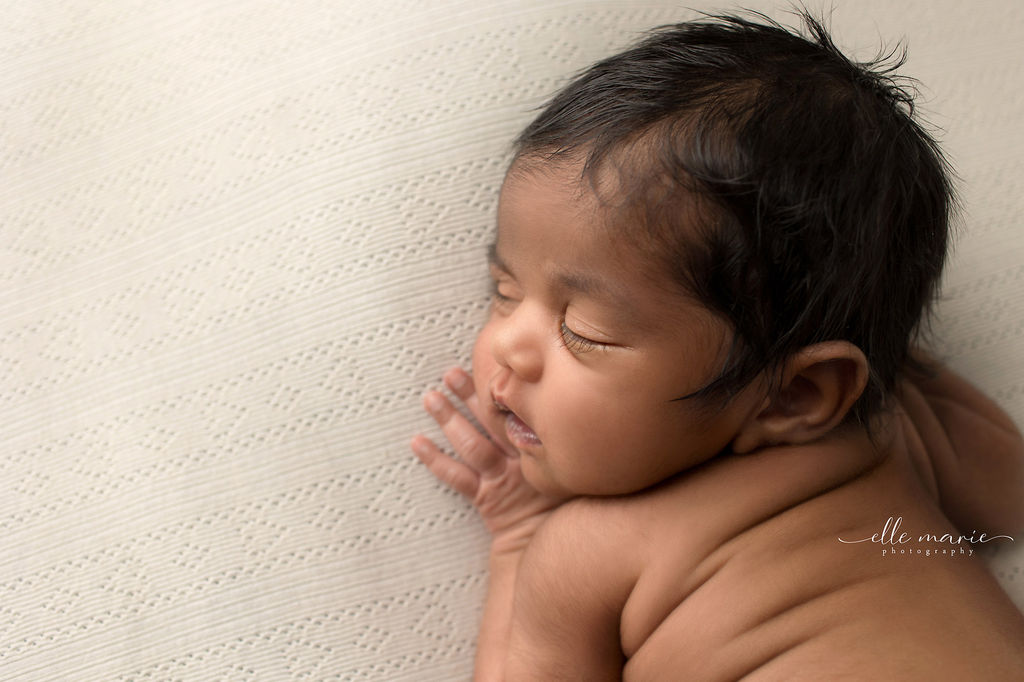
<point x="238" y="239"/>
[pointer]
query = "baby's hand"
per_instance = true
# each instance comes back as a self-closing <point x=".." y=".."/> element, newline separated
<point x="487" y="473"/>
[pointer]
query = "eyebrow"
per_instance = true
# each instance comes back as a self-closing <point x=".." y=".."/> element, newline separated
<point x="587" y="285"/>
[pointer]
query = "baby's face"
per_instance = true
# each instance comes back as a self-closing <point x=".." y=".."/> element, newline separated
<point x="584" y="351"/>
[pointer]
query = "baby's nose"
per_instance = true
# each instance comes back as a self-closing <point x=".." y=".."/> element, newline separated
<point x="518" y="343"/>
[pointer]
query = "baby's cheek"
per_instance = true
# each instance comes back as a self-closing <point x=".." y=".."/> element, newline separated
<point x="589" y="431"/>
<point x="482" y="361"/>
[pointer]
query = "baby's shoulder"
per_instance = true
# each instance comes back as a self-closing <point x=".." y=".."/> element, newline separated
<point x="599" y="524"/>
<point x="621" y="530"/>
<point x="610" y="532"/>
<point x="584" y="555"/>
<point x="616" y="521"/>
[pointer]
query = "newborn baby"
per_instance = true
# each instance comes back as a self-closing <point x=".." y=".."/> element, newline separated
<point x="710" y="452"/>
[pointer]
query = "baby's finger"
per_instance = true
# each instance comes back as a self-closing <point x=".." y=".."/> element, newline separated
<point x="473" y="447"/>
<point x="461" y="384"/>
<point x="452" y="473"/>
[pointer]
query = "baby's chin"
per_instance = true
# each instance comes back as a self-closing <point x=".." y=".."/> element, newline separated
<point x="556" y="487"/>
<point x="542" y="482"/>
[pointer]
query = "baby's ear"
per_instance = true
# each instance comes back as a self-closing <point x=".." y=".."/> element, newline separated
<point x="819" y="384"/>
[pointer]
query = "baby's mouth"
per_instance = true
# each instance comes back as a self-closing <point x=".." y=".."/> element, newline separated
<point x="518" y="432"/>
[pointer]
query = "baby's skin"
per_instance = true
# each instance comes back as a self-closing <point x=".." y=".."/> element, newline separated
<point x="637" y="538"/>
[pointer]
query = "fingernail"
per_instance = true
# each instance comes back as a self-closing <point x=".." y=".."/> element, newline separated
<point x="433" y="402"/>
<point x="457" y="379"/>
<point x="419" y="446"/>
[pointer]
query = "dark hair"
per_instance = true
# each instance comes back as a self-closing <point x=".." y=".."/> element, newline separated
<point x="821" y="204"/>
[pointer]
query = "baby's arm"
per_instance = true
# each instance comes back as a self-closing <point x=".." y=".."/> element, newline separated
<point x="573" y="581"/>
<point x="491" y="478"/>
<point x="975" y="451"/>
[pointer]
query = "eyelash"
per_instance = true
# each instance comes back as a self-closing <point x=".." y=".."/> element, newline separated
<point x="574" y="342"/>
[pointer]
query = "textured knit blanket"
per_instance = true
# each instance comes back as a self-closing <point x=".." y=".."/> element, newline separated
<point x="239" y="239"/>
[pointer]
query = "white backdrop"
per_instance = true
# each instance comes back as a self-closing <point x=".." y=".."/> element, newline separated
<point x="238" y="239"/>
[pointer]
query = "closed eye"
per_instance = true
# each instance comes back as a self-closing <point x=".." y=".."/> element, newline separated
<point x="497" y="296"/>
<point x="575" y="343"/>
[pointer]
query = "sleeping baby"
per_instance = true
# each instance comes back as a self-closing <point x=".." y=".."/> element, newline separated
<point x="712" y="450"/>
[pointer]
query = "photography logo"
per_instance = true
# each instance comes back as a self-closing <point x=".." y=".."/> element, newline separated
<point x="895" y="542"/>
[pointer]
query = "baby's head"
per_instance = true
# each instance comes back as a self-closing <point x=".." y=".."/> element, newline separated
<point x="775" y="197"/>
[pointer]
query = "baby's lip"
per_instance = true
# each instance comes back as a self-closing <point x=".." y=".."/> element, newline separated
<point x="501" y="404"/>
<point x="517" y="430"/>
